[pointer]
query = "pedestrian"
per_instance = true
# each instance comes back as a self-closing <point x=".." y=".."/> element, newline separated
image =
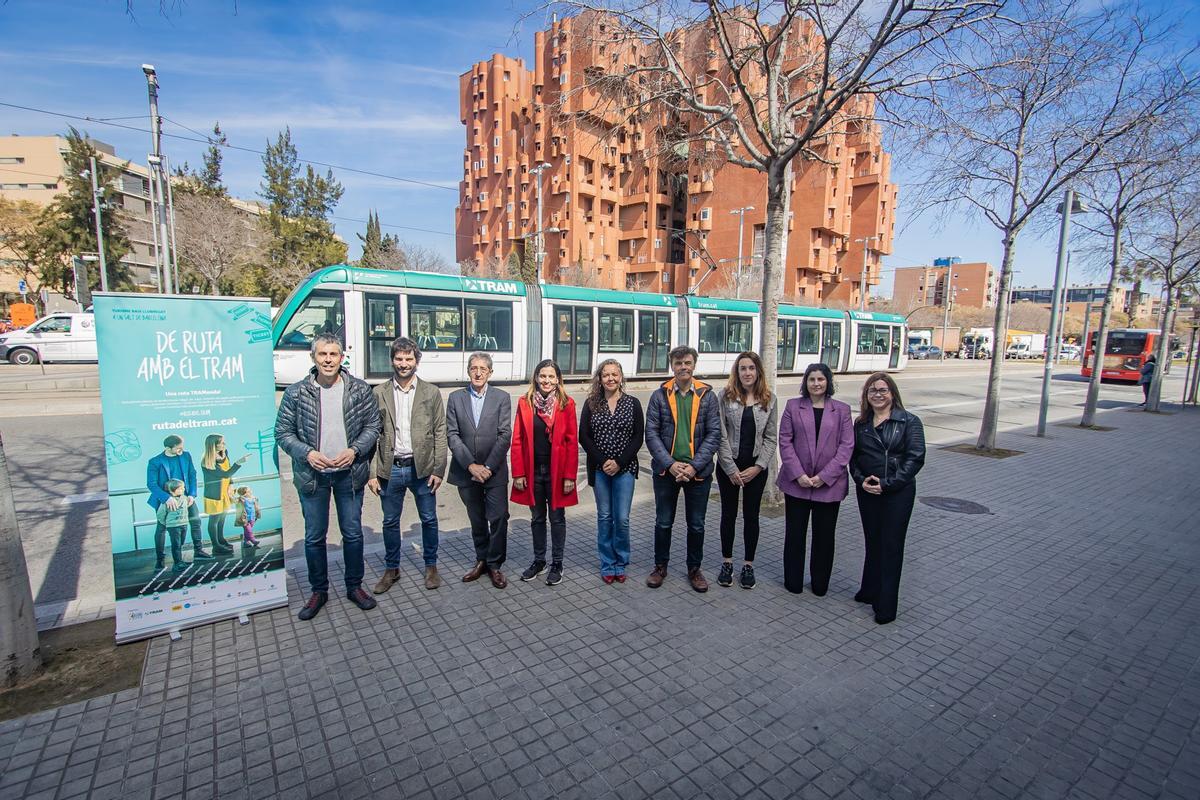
<point x="218" y="500"/>
<point x="545" y="463"/>
<point x="411" y="457"/>
<point x="478" y="432"/>
<point x="889" y="451"/>
<point x="816" y="440"/>
<point x="749" y="441"/>
<point x="1147" y="377"/>
<point x="611" y="430"/>
<point x="683" y="433"/>
<point x="328" y="422"/>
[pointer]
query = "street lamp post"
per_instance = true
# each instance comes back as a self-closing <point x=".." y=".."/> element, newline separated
<point x="158" y="193"/>
<point x="96" y="194"/>
<point x="1070" y="204"/>
<point x="737" y="279"/>
<point x="539" y="253"/>
<point x="862" y="289"/>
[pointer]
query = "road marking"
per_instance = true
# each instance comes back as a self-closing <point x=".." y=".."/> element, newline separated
<point x="1002" y="400"/>
<point x="90" y="497"/>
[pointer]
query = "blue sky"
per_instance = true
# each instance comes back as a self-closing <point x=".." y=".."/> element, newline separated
<point x="368" y="85"/>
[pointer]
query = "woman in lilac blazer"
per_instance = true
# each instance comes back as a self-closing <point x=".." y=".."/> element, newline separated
<point x="816" y="440"/>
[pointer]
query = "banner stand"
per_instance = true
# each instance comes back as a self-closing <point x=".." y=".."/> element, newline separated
<point x="187" y="395"/>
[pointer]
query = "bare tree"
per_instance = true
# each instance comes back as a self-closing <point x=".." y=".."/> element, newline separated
<point x="1165" y="243"/>
<point x="215" y="238"/>
<point x="1127" y="186"/>
<point x="760" y="85"/>
<point x="423" y="259"/>
<point x="1040" y="96"/>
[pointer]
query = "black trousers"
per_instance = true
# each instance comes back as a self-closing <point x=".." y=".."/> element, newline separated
<point x="751" y="494"/>
<point x="487" y="509"/>
<point x="824" y="523"/>
<point x="558" y="518"/>
<point x="885" y="525"/>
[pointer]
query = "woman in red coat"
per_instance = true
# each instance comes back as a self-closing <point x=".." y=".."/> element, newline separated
<point x="545" y="462"/>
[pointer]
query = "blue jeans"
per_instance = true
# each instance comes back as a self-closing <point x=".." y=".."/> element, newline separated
<point x="316" y="527"/>
<point x="695" y="504"/>
<point x="614" y="496"/>
<point x="392" y="498"/>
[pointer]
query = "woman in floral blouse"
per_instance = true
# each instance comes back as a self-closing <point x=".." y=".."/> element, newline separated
<point x="611" y="430"/>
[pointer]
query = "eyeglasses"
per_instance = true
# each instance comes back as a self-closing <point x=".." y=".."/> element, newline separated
<point x="876" y="390"/>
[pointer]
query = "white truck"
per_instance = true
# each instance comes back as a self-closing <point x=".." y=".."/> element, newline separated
<point x="62" y="336"/>
<point x="1026" y="346"/>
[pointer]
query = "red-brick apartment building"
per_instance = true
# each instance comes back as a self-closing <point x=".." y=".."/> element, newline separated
<point x="611" y="199"/>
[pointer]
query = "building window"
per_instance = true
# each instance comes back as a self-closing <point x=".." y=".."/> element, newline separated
<point x="11" y="160"/>
<point x="616" y="331"/>
<point x="496" y="141"/>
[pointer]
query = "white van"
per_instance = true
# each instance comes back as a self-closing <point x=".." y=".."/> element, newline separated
<point x="58" y="337"/>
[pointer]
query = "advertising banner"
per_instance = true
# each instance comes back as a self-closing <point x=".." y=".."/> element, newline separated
<point x="187" y="392"/>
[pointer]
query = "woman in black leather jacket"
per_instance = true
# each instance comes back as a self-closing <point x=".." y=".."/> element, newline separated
<point x="889" y="451"/>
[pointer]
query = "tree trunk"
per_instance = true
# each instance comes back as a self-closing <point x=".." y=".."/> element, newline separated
<point x="991" y="404"/>
<point x="213" y="288"/>
<point x="18" y="625"/>
<point x="1163" y="354"/>
<point x="779" y="190"/>
<point x="1093" y="390"/>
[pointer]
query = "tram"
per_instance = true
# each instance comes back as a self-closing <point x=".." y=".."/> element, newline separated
<point x="519" y="324"/>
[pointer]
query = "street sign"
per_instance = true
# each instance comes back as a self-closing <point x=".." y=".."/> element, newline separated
<point x="22" y="287"/>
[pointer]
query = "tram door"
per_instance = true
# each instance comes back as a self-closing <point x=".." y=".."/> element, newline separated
<point x="894" y="356"/>
<point x="382" y="318"/>
<point x="787" y="345"/>
<point x="654" y="342"/>
<point x="831" y="345"/>
<point x="573" y="339"/>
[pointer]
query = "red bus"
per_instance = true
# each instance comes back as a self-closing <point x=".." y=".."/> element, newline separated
<point x="1124" y="355"/>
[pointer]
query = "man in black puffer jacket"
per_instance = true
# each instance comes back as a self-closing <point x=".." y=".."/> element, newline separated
<point x="329" y="424"/>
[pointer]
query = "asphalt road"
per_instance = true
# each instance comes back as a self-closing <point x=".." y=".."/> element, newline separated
<point x="53" y="441"/>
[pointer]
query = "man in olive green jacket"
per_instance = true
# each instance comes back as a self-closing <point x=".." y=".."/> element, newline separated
<point x="411" y="456"/>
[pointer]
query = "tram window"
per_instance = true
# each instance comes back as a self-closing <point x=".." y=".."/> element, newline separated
<point x="616" y="331"/>
<point x="489" y="325"/>
<point x="739" y="335"/>
<point x="712" y="334"/>
<point x="321" y="312"/>
<point x="808" y="337"/>
<point x="436" y="326"/>
<point x="871" y="337"/>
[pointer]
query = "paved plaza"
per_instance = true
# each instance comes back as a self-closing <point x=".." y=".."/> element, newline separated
<point x="1048" y="648"/>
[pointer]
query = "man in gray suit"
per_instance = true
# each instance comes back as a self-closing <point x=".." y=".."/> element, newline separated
<point x="479" y="432"/>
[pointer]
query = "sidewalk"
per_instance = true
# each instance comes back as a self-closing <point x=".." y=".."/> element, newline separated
<point x="1046" y="648"/>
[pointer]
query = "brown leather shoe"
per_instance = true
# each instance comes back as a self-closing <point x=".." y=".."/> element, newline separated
<point x="696" y="577"/>
<point x="432" y="580"/>
<point x="656" y="578"/>
<point x="389" y="577"/>
<point x="498" y="579"/>
<point x="475" y="572"/>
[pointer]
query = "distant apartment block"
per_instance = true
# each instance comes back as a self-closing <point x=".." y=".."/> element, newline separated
<point x="32" y="167"/>
<point x="969" y="284"/>
<point x="629" y="215"/>
<point x="1129" y="301"/>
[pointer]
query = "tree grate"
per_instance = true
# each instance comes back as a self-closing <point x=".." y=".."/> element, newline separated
<point x="955" y="505"/>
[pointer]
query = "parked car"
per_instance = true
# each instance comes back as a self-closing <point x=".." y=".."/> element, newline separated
<point x="59" y="337"/>
<point x="927" y="352"/>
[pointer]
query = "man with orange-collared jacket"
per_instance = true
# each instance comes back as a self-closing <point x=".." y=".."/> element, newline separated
<point x="683" y="433"/>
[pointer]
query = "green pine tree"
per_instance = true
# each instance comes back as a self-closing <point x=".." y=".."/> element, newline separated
<point x="372" y="243"/>
<point x="67" y="226"/>
<point x="210" y="175"/>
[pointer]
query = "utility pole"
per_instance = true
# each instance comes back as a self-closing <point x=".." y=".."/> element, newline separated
<point x="96" y="194"/>
<point x="737" y="280"/>
<point x="539" y="253"/>
<point x="157" y="183"/>
<point x="1069" y="204"/>
<point x="862" y="289"/>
